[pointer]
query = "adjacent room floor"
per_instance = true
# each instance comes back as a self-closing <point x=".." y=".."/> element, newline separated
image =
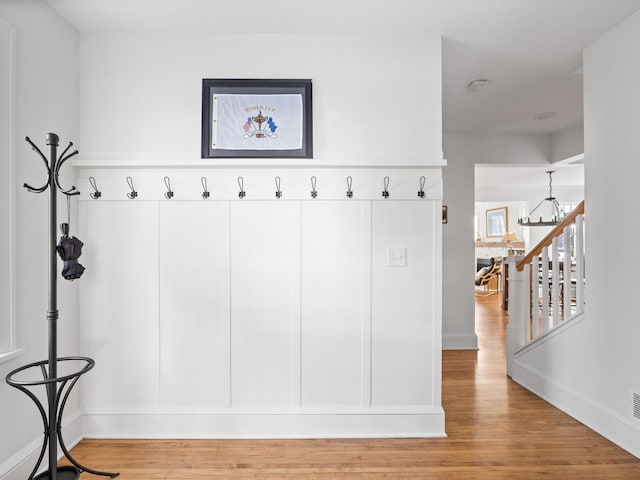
<point x="496" y="430"/>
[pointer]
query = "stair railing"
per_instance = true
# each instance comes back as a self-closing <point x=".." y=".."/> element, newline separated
<point x="547" y="285"/>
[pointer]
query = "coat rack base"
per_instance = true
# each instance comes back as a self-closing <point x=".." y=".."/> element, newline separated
<point x="57" y="390"/>
<point x="62" y="473"/>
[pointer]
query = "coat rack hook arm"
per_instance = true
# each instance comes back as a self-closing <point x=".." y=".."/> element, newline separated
<point x="64" y="159"/>
<point x="65" y="151"/>
<point x="35" y="190"/>
<point x="57" y="172"/>
<point x="39" y="152"/>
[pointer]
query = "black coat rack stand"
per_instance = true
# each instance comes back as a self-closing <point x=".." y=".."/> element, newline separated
<point x="58" y="387"/>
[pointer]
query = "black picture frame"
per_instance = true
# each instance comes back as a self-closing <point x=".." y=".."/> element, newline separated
<point x="266" y="87"/>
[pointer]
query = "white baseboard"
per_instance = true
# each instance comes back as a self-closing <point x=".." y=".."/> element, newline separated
<point x="610" y="425"/>
<point x="281" y="425"/>
<point x="459" y="342"/>
<point x="19" y="465"/>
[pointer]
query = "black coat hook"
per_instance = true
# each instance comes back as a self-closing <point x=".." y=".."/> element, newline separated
<point x="205" y="193"/>
<point x="96" y="193"/>
<point x="385" y="192"/>
<point x="278" y="191"/>
<point x="132" y="194"/>
<point x="242" y="193"/>
<point x="423" y="180"/>
<point x="169" y="194"/>
<point x="349" y="183"/>
<point x="314" y="192"/>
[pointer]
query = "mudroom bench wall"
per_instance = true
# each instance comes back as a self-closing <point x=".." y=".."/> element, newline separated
<point x="261" y="302"/>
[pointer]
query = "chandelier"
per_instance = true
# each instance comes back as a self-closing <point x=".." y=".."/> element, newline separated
<point x="557" y="213"/>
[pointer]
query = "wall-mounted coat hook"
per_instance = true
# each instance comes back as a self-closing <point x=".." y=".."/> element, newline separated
<point x="205" y="193"/>
<point x="278" y="191"/>
<point x="169" y="193"/>
<point x="423" y="180"/>
<point x="242" y="193"/>
<point x="96" y="193"/>
<point x="314" y="192"/>
<point x="349" y="183"/>
<point x="132" y="194"/>
<point x="385" y="192"/>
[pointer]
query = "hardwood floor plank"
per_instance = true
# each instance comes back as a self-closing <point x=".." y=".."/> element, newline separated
<point x="496" y="430"/>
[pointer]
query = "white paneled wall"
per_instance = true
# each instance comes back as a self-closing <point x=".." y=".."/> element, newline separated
<point x="236" y="317"/>
<point x="122" y="320"/>
<point x="264" y="303"/>
<point x="404" y="335"/>
<point x="194" y="303"/>
<point x="335" y="297"/>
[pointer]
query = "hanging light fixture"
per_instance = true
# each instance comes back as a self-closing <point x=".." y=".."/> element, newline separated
<point x="558" y="214"/>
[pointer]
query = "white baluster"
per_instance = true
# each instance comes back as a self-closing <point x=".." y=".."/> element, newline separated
<point x="579" y="254"/>
<point x="535" y="294"/>
<point x="544" y="280"/>
<point x="555" y="284"/>
<point x="566" y="273"/>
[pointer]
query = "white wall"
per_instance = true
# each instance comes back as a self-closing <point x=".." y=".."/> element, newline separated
<point x="462" y="152"/>
<point x="286" y="306"/>
<point x="567" y="143"/>
<point x="458" y="255"/>
<point x="592" y="371"/>
<point x="141" y="93"/>
<point x="46" y="100"/>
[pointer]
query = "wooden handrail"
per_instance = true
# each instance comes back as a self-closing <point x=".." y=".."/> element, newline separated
<point x="546" y="241"/>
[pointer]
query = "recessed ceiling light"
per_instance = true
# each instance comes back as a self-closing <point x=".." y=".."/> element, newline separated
<point x="478" y="84"/>
<point x="544" y="115"/>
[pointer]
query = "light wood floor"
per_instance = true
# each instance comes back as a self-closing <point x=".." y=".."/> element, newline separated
<point x="496" y="430"/>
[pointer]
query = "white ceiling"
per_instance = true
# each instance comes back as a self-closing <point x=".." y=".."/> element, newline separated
<point x="529" y="49"/>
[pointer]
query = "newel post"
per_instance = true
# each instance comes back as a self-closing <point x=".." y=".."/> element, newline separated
<point x="518" y="309"/>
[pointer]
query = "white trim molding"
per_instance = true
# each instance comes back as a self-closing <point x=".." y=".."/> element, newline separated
<point x="123" y="423"/>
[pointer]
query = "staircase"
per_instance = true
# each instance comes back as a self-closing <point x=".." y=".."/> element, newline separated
<point x="547" y="285"/>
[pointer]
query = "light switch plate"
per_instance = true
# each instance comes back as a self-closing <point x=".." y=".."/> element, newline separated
<point x="396" y="257"/>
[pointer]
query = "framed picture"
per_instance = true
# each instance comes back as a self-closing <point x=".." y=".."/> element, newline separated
<point x="497" y="223"/>
<point x="252" y="118"/>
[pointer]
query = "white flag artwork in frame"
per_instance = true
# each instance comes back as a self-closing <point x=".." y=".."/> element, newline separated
<point x="248" y="118"/>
